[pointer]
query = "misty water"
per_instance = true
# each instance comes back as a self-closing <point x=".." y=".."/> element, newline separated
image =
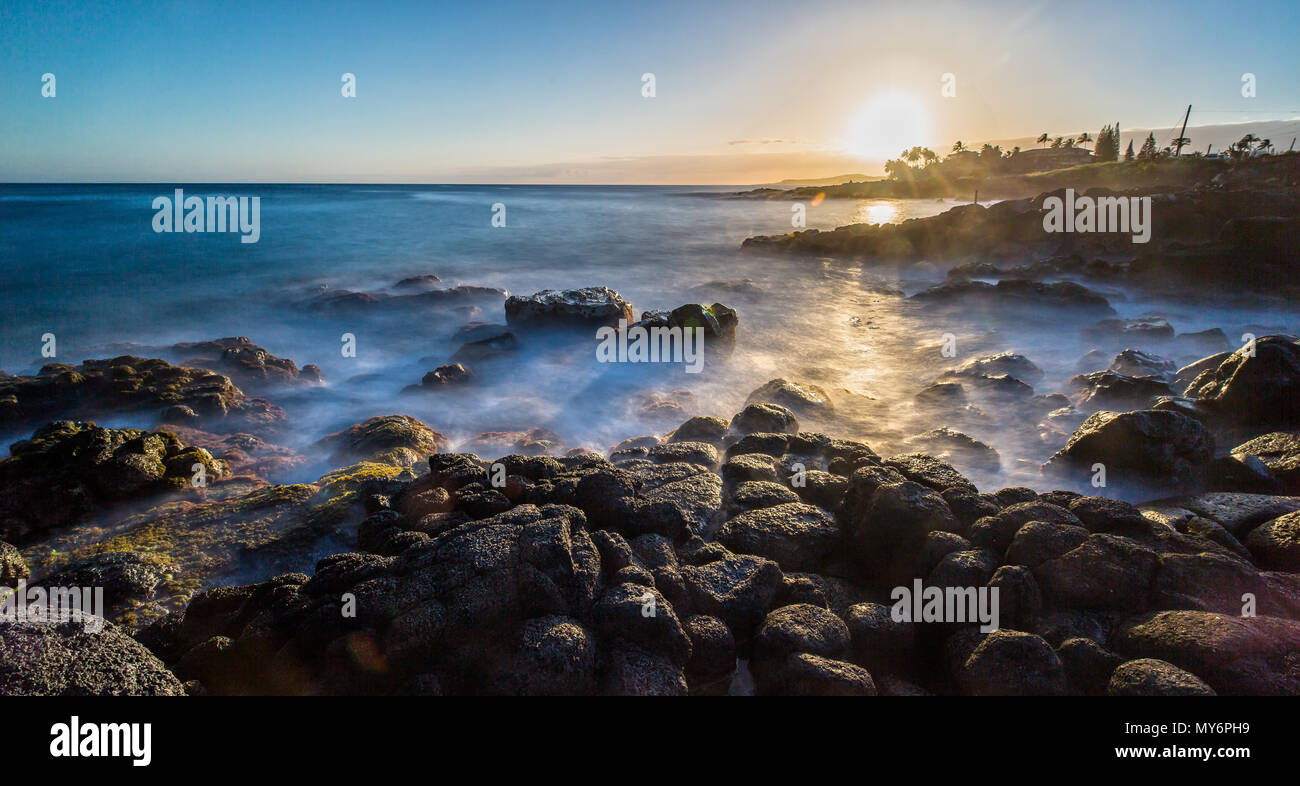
<point x="84" y="263"/>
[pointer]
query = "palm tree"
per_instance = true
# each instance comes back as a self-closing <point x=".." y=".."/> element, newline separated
<point x="958" y="147"/>
<point x="895" y="167"/>
<point x="1264" y="144"/>
<point x="1084" y="138"/>
<point x="1042" y="140"/>
<point x="1241" y="148"/>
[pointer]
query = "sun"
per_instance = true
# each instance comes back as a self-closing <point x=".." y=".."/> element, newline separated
<point x="888" y="124"/>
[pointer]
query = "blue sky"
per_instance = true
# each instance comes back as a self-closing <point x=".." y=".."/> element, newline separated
<point x="552" y="91"/>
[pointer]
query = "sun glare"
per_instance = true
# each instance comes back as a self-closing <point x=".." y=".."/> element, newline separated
<point x="881" y="212"/>
<point x="888" y="124"/>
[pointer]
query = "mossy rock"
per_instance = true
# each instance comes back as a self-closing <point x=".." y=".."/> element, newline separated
<point x="68" y="470"/>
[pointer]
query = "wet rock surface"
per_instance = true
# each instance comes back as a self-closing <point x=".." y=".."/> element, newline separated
<point x="1165" y="447"/>
<point x="68" y="659"/>
<point x="68" y="470"/>
<point x="248" y="365"/>
<point x="400" y="440"/>
<point x="589" y="307"/>
<point x="130" y="384"/>
<point x="658" y="572"/>
<point x="739" y="554"/>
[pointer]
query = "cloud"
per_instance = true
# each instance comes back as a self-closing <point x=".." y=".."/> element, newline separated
<point x="764" y="141"/>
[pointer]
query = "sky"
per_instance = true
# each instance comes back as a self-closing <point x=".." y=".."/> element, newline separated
<point x="552" y="92"/>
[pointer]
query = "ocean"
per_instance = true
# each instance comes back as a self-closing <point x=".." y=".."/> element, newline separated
<point x="84" y="263"/>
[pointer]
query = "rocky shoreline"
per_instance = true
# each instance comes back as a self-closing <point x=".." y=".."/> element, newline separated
<point x="757" y="553"/>
<point x="1229" y="233"/>
<point x="727" y="556"/>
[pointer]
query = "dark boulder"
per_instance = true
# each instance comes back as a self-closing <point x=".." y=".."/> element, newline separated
<point x="701" y="429"/>
<point x="962" y="569"/>
<point x="1152" y="677"/>
<point x="1276" y="544"/>
<point x="969" y="506"/>
<point x="1251" y="656"/>
<point x="805" y="674"/>
<point x="801" y="628"/>
<point x="802" y="399"/>
<point x="67" y="471"/>
<point x="1019" y="599"/>
<point x="1136" y="363"/>
<point x="713" y="653"/>
<point x="739" y="589"/>
<point x="766" y="419"/>
<point x="1280" y="452"/>
<point x="1039" y="541"/>
<point x="1009" y="363"/>
<point x="640" y="617"/>
<point x="957" y="448"/>
<point x="756" y="495"/>
<point x="888" y="533"/>
<point x="443" y="376"/>
<point x="929" y="471"/>
<point x="633" y="672"/>
<point x="400" y="440"/>
<point x="68" y="659"/>
<point x="1130" y="331"/>
<point x="751" y="467"/>
<point x="701" y="453"/>
<point x="570" y="308"/>
<point x="1258" y="384"/>
<point x="879" y="643"/>
<point x="796" y="536"/>
<point x="1088" y="665"/>
<point x="1162" y="448"/>
<point x="1012" y="663"/>
<point x="996" y="532"/>
<point x="1104" y="572"/>
<point x="1114" y="391"/>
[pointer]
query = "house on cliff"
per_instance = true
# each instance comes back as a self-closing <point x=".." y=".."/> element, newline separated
<point x="1043" y="159"/>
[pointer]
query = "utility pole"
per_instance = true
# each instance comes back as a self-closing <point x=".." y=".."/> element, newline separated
<point x="1184" y="131"/>
<point x="1292" y="147"/>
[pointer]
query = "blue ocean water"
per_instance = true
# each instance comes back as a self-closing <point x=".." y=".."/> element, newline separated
<point x="84" y="263"/>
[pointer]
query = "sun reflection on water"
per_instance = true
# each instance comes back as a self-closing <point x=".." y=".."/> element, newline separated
<point x="877" y="212"/>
